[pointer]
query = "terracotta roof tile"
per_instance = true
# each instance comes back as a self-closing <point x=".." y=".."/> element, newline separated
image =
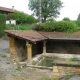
<point x="61" y="35"/>
<point x="6" y="9"/>
<point x="27" y="35"/>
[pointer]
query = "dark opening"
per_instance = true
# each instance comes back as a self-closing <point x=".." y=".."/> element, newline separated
<point x="37" y="48"/>
<point x="63" y="46"/>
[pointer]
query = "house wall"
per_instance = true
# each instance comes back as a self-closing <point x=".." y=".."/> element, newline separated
<point x="63" y="47"/>
<point x="11" y="22"/>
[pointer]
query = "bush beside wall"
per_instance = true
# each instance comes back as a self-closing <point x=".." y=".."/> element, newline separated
<point x="2" y="24"/>
<point x="60" y="26"/>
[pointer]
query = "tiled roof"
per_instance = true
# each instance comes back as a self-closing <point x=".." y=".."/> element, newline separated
<point x="32" y="36"/>
<point x="61" y="35"/>
<point x="6" y="9"/>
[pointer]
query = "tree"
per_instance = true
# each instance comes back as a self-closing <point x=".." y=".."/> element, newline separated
<point x="78" y="17"/>
<point x="78" y="20"/>
<point x="2" y="24"/>
<point x="66" y="19"/>
<point x="49" y="8"/>
<point x="11" y="16"/>
<point x="21" y="17"/>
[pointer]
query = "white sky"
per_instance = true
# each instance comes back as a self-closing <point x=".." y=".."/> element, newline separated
<point x="71" y="8"/>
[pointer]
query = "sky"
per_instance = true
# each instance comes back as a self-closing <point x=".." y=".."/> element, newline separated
<point x="71" y="8"/>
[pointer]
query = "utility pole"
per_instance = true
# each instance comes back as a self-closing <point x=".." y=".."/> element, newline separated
<point x="40" y="11"/>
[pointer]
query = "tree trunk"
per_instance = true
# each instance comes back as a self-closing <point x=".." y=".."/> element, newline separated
<point x="44" y="20"/>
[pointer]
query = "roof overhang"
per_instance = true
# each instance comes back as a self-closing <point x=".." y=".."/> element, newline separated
<point x="70" y="39"/>
<point x="32" y="36"/>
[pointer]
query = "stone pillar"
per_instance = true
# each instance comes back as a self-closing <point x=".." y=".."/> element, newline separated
<point x="12" y="46"/>
<point x="44" y="47"/>
<point x="56" y="72"/>
<point x="29" y="51"/>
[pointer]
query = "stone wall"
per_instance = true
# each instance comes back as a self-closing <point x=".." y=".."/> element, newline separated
<point x="61" y="71"/>
<point x="18" y="50"/>
<point x="21" y="49"/>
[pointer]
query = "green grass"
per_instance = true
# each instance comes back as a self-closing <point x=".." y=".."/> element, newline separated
<point x="18" y="27"/>
<point x="18" y="68"/>
<point x="3" y="56"/>
<point x="7" y="62"/>
<point x="73" y="60"/>
<point x="67" y="77"/>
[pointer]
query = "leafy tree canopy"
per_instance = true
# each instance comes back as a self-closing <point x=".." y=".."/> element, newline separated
<point x="66" y="19"/>
<point x="21" y="17"/>
<point x="49" y="8"/>
<point x="11" y="16"/>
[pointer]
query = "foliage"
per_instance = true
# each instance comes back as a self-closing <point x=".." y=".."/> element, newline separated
<point x="78" y="20"/>
<point x="61" y="26"/>
<point x="49" y="8"/>
<point x="2" y="24"/>
<point x="74" y="59"/>
<point x="31" y="19"/>
<point x="78" y="23"/>
<point x="7" y="62"/>
<point x="11" y="16"/>
<point x="18" y="68"/>
<point x="66" y="19"/>
<point x="18" y="27"/>
<point x="3" y="56"/>
<point x="51" y="20"/>
<point x="21" y="17"/>
<point x="67" y="77"/>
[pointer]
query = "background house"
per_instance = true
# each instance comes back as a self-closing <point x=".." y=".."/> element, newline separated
<point x="4" y="10"/>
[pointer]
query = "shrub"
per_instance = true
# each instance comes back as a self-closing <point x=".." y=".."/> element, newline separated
<point x="51" y="20"/>
<point x="18" y="27"/>
<point x="78" y="23"/>
<point x="61" y="26"/>
<point x="22" y="18"/>
<point x="66" y="19"/>
<point x="2" y="24"/>
<point x="31" y="19"/>
<point x="65" y="26"/>
<point x="11" y="16"/>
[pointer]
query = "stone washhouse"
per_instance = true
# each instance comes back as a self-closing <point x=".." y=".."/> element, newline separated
<point x="26" y="44"/>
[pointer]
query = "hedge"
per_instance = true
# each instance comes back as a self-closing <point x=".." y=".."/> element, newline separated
<point x="2" y="24"/>
<point x="61" y="26"/>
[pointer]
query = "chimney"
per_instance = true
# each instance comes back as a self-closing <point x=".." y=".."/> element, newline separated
<point x="13" y="7"/>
